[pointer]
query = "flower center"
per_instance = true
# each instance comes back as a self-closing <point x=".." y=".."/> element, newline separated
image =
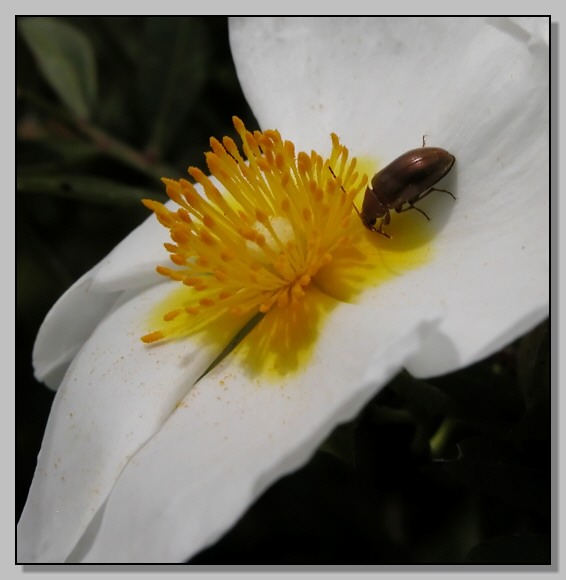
<point x="269" y="221"/>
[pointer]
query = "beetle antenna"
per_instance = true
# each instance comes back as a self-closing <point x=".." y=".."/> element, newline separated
<point x="342" y="188"/>
<point x="357" y="210"/>
<point x="333" y="174"/>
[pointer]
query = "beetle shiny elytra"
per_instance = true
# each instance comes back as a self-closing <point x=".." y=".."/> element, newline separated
<point x="402" y="183"/>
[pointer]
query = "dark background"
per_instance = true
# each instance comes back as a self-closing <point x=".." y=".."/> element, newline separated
<point x="452" y="470"/>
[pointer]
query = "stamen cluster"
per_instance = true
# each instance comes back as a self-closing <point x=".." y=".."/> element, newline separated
<point x="268" y="221"/>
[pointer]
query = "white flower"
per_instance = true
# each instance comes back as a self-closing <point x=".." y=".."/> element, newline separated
<point x="139" y="463"/>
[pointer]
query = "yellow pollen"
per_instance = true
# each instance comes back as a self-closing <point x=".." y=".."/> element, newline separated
<point x="255" y="236"/>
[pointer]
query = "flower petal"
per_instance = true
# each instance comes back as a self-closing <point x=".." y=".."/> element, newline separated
<point x="483" y="97"/>
<point x="116" y="395"/>
<point x="57" y="341"/>
<point x="234" y="434"/>
<point x="72" y="319"/>
<point x="131" y="264"/>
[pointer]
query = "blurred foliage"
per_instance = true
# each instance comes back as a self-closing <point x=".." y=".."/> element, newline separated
<point x="456" y="469"/>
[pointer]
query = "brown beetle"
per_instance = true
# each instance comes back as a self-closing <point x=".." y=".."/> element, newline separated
<point x="406" y="180"/>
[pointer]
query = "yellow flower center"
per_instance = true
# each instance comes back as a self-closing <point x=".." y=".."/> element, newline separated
<point x="272" y="226"/>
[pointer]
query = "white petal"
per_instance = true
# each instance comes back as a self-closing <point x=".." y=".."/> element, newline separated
<point x="72" y="319"/>
<point x="233" y="435"/>
<point x="66" y="327"/>
<point x="116" y="394"/>
<point x="483" y="97"/>
<point x="131" y="264"/>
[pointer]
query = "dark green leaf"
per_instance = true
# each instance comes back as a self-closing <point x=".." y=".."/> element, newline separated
<point x="49" y="155"/>
<point x="86" y="188"/>
<point x="66" y="60"/>
<point x="172" y="73"/>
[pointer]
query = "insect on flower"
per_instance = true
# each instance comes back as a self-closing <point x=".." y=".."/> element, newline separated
<point x="402" y="183"/>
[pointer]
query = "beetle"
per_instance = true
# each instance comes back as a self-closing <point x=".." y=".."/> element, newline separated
<point x="402" y="183"/>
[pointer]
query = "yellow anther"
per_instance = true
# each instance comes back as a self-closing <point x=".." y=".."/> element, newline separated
<point x="304" y="163"/>
<point x="191" y="281"/>
<point x="172" y="314"/>
<point x="184" y="215"/>
<point x="153" y="337"/>
<point x="216" y="146"/>
<point x="207" y="238"/>
<point x="248" y="233"/>
<point x="263" y="164"/>
<point x="238" y="125"/>
<point x="178" y="259"/>
<point x="231" y="147"/>
<point x="208" y="221"/>
<point x="181" y="237"/>
<point x="173" y="274"/>
<point x="260" y="240"/>
<point x="261" y="217"/>
<point x="220" y="275"/>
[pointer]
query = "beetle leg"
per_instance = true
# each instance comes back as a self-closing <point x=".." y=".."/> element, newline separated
<point x="379" y="230"/>
<point x="424" y="194"/>
<point x="444" y="191"/>
<point x="384" y="221"/>
<point x="413" y="206"/>
<point x="401" y="209"/>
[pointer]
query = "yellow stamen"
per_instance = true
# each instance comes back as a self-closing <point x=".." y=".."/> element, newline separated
<point x="264" y="238"/>
<point x="269" y="228"/>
